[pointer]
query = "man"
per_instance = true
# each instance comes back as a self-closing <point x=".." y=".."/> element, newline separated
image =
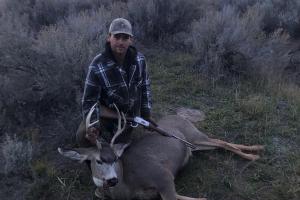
<point x="117" y="76"/>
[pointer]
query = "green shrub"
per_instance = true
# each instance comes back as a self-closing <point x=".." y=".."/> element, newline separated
<point x="66" y="49"/>
<point x="284" y="14"/>
<point x="158" y="19"/>
<point x="37" y="70"/>
<point x="228" y="42"/>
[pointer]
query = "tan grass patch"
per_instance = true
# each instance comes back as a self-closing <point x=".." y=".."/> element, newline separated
<point x="254" y="105"/>
<point x="289" y="91"/>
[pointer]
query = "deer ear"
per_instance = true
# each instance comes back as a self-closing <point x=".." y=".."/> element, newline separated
<point x="73" y="154"/>
<point x="119" y="148"/>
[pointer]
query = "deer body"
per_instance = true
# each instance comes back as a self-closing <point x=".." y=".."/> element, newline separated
<point x="148" y="166"/>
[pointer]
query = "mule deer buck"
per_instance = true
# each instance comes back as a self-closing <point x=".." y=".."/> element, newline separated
<point x="147" y="167"/>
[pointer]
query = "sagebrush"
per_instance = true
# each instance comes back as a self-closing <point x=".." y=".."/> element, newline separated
<point x="17" y="155"/>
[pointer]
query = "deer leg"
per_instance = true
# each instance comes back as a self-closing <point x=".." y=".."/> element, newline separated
<point x="243" y="147"/>
<point x="240" y="146"/>
<point x="168" y="192"/>
<point x="228" y="146"/>
<point x="165" y="185"/>
<point x="180" y="197"/>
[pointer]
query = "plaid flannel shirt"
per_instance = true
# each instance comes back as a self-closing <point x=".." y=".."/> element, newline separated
<point x="126" y="86"/>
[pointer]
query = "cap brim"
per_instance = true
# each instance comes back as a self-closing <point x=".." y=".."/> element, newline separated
<point x="118" y="32"/>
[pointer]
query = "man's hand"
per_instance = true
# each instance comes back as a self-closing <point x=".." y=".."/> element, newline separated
<point x="92" y="134"/>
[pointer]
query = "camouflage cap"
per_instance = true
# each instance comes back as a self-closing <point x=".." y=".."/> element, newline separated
<point x="120" y="25"/>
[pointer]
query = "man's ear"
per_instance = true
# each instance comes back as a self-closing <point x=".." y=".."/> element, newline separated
<point x="79" y="154"/>
<point x="119" y="148"/>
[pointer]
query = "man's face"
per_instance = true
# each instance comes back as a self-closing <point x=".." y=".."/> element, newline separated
<point x="119" y="43"/>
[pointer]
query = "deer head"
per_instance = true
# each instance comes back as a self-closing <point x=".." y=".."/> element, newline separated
<point x="104" y="157"/>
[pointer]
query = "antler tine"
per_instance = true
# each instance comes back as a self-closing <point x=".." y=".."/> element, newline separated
<point x="120" y="129"/>
<point x="88" y="123"/>
<point x="119" y="126"/>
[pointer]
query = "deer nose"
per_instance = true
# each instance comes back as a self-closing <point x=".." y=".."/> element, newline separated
<point x="112" y="182"/>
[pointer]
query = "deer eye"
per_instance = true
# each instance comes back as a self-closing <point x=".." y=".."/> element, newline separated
<point x="99" y="162"/>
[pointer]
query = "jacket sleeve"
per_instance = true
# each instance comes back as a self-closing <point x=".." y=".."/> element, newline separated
<point x="91" y="94"/>
<point x="146" y="101"/>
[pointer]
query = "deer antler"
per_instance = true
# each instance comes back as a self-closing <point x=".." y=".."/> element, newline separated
<point x="88" y="123"/>
<point x="120" y="129"/>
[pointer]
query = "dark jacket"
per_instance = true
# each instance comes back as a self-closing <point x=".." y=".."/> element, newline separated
<point x="127" y="86"/>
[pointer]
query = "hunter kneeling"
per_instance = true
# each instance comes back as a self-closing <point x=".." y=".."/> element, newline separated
<point x="117" y="77"/>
